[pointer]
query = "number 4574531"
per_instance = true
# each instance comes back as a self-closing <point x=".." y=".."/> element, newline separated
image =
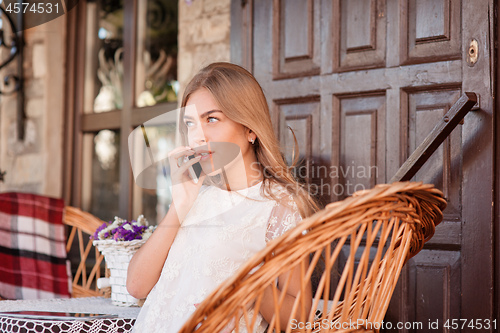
<point x="36" y="8"/>
<point x="478" y="324"/>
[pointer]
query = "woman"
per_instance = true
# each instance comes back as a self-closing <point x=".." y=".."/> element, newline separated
<point x="244" y="197"/>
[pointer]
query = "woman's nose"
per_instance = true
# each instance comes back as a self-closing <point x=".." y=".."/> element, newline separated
<point x="196" y="136"/>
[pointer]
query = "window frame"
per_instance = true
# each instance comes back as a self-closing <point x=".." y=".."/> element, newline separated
<point x="124" y="120"/>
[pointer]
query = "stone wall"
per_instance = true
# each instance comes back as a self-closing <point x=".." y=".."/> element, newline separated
<point x="35" y="165"/>
<point x="203" y="36"/>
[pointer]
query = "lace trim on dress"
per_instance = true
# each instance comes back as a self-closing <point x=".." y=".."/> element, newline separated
<point x="284" y="216"/>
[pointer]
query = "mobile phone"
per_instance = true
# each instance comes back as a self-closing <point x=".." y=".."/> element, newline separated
<point x="194" y="170"/>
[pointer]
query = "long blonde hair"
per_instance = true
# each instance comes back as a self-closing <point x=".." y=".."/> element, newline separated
<point x="242" y="100"/>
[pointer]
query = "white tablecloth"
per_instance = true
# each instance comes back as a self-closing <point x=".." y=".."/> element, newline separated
<point x="123" y="323"/>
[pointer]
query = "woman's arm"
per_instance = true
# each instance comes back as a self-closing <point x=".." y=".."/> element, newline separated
<point x="284" y="217"/>
<point x="267" y="305"/>
<point x="145" y="267"/>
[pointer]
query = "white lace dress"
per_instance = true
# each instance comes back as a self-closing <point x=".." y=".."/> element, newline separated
<point x="221" y="232"/>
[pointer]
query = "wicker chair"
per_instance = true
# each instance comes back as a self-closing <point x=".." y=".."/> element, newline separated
<point x="359" y="244"/>
<point x="82" y="223"/>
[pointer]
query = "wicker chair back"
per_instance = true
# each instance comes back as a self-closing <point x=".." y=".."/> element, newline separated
<point x="358" y="246"/>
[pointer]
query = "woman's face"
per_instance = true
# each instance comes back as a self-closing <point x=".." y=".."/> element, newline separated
<point x="206" y="124"/>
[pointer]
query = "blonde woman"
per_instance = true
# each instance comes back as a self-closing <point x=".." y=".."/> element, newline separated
<point x="244" y="197"/>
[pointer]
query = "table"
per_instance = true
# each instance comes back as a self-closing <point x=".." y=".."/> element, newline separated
<point x="122" y="323"/>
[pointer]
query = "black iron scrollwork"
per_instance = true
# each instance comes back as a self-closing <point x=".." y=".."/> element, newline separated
<point x="14" y="82"/>
<point x="14" y="47"/>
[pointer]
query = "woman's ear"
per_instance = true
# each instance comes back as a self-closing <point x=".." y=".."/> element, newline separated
<point x="250" y="135"/>
<point x="248" y="131"/>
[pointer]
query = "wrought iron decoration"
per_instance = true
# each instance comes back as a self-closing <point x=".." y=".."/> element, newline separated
<point x="14" y="82"/>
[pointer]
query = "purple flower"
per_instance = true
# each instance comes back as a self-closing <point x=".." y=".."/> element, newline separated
<point x="99" y="229"/>
<point x="121" y="230"/>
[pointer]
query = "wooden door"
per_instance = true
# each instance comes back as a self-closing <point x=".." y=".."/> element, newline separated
<point x="362" y="82"/>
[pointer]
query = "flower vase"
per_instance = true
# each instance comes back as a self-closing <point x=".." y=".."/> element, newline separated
<point x="117" y="255"/>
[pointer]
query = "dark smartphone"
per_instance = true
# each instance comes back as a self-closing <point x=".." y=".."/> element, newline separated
<point x="195" y="170"/>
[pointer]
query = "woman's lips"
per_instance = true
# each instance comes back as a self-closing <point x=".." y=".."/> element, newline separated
<point x="205" y="155"/>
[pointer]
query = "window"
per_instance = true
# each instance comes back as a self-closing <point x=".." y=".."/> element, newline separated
<point x="122" y="72"/>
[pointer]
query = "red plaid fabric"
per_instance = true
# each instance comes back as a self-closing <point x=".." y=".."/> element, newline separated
<point x="32" y="247"/>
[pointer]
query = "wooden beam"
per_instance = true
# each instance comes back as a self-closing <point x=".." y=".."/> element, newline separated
<point x="436" y="137"/>
<point x="94" y="122"/>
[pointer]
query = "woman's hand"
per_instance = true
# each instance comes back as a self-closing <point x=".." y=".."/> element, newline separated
<point x="294" y="286"/>
<point x="184" y="188"/>
<point x="229" y="327"/>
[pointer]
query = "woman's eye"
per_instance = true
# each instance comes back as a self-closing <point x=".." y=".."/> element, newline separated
<point x="189" y="123"/>
<point x="212" y="119"/>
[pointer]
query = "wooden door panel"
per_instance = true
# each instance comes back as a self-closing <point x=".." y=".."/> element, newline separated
<point x="359" y="30"/>
<point x="423" y="111"/>
<point x="432" y="290"/>
<point x="360" y="143"/>
<point x="296" y="32"/>
<point x="357" y="149"/>
<point x="302" y="116"/>
<point x="430" y="30"/>
<point x="302" y="129"/>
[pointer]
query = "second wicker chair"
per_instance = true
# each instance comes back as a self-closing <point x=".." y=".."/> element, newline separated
<point x="82" y="225"/>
